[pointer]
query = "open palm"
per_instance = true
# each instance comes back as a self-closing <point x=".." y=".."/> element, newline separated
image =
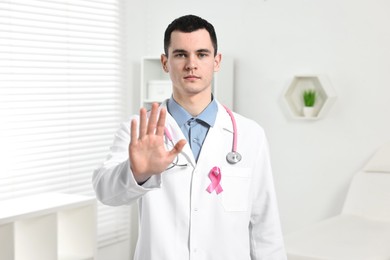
<point x="147" y="153"/>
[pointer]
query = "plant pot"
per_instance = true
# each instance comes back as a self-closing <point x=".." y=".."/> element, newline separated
<point x="308" y="111"/>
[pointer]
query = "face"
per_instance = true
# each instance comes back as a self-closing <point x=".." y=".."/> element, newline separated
<point x="191" y="63"/>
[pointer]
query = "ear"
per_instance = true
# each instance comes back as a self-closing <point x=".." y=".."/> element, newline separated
<point x="217" y="61"/>
<point x="164" y="62"/>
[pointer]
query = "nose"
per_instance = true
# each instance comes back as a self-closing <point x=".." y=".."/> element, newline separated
<point x="191" y="64"/>
<point x="190" y="67"/>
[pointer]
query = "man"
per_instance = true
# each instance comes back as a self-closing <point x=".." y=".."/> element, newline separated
<point x="193" y="202"/>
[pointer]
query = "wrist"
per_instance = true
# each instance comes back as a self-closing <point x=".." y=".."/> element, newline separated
<point x="139" y="177"/>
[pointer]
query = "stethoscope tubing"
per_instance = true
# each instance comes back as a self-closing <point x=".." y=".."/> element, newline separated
<point x="234" y="124"/>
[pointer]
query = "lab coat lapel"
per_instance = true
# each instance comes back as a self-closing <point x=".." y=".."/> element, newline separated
<point x="217" y="135"/>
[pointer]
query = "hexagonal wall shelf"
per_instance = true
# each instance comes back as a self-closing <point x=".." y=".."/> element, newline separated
<point x="325" y="95"/>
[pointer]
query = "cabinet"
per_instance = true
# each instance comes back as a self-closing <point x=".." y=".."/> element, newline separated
<point x="48" y="226"/>
<point x="293" y="95"/>
<point x="156" y="85"/>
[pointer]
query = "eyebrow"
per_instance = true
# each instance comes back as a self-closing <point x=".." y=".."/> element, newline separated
<point x="179" y="51"/>
<point x="204" y="50"/>
<point x="184" y="51"/>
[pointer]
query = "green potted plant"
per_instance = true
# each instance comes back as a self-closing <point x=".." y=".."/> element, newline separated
<point x="309" y="100"/>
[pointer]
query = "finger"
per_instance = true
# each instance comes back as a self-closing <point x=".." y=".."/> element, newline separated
<point x="161" y="122"/>
<point x="142" y="122"/>
<point x="152" y="119"/>
<point x="133" y="131"/>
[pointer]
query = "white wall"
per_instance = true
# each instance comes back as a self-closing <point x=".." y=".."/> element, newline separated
<point x="272" y="41"/>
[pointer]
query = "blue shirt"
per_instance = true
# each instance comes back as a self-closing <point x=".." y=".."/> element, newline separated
<point x="194" y="128"/>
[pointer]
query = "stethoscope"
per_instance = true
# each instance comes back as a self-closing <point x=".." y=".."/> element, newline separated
<point x="232" y="157"/>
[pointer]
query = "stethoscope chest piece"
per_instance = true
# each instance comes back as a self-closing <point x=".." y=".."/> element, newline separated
<point x="233" y="157"/>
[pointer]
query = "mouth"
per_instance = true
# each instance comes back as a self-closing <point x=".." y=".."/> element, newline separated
<point x="191" y="77"/>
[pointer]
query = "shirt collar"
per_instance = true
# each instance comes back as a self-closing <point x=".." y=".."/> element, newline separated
<point x="181" y="116"/>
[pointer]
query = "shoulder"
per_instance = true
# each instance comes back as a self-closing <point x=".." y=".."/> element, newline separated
<point x="249" y="128"/>
<point x="247" y="122"/>
<point x="245" y="126"/>
<point x="240" y="119"/>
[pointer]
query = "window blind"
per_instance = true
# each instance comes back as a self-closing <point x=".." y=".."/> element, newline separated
<point x="61" y="101"/>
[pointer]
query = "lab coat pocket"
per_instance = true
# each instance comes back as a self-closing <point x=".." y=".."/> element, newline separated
<point x="235" y="183"/>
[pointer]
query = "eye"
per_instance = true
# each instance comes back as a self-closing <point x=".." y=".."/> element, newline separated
<point x="180" y="55"/>
<point x="202" y="55"/>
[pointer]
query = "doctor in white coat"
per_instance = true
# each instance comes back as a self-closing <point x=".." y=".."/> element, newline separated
<point x="194" y="203"/>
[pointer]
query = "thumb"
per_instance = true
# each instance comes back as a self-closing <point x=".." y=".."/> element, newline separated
<point x="177" y="148"/>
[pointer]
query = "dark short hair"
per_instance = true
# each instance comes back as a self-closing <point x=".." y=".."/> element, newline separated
<point x="189" y="23"/>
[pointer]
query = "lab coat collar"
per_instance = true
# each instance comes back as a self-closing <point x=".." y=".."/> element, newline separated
<point x="223" y="119"/>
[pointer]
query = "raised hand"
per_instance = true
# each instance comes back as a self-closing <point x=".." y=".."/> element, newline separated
<point x="147" y="153"/>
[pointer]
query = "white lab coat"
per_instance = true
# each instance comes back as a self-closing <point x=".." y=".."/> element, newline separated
<point x="179" y="219"/>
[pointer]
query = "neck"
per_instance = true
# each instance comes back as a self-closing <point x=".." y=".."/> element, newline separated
<point x="194" y="105"/>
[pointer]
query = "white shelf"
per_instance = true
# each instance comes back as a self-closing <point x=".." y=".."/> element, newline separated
<point x="6" y="241"/>
<point x="36" y="236"/>
<point x="293" y="95"/>
<point x="48" y="226"/>
<point x="151" y="71"/>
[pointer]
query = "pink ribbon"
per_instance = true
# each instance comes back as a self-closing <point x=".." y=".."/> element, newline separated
<point x="215" y="177"/>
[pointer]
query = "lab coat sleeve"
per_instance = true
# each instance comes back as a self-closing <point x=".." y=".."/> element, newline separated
<point x="265" y="230"/>
<point x="113" y="181"/>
